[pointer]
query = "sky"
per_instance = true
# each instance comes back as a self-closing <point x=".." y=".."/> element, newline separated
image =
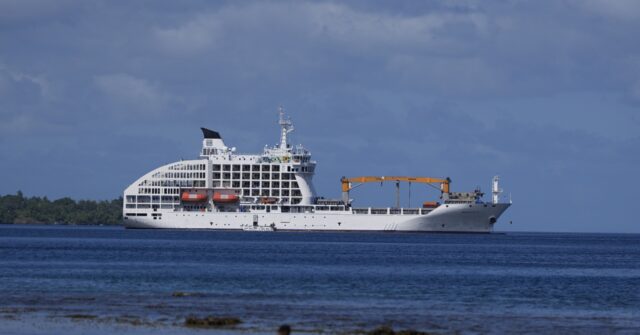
<point x="546" y="94"/>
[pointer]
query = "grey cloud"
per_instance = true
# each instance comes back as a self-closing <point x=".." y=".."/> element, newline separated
<point x="195" y="36"/>
<point x="135" y="94"/>
<point x="474" y="52"/>
<point x="616" y="10"/>
<point x="14" y="84"/>
<point x="22" y="97"/>
<point x="17" y="11"/>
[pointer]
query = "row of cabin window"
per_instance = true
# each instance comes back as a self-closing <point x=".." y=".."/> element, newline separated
<point x="148" y="190"/>
<point x="166" y="184"/>
<point x="170" y="204"/>
<point x="303" y="159"/>
<point x="174" y="182"/>
<point x="284" y="209"/>
<point x="188" y="175"/>
<point x="188" y="167"/>
<point x="176" y="199"/>
<point x="145" y="199"/>
<point x="255" y="184"/>
<point x="147" y="206"/>
<point x="199" y="208"/>
<point x="246" y="167"/>
<point x="257" y="168"/>
<point x="271" y="193"/>
<point x="171" y="183"/>
<point x="246" y="175"/>
<point x="177" y="183"/>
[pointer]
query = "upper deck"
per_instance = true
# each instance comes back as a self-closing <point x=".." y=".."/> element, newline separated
<point x="281" y="174"/>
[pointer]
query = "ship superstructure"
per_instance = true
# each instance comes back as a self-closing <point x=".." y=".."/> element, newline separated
<point x="274" y="191"/>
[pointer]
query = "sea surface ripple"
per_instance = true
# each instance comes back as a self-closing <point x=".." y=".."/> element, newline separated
<point x="79" y="280"/>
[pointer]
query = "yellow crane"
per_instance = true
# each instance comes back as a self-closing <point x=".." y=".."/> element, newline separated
<point x="347" y="184"/>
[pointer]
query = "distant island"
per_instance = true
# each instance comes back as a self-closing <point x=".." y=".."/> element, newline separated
<point x="20" y="209"/>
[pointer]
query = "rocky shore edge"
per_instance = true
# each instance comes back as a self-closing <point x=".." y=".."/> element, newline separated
<point x="212" y="323"/>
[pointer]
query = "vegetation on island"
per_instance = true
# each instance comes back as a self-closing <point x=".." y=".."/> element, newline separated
<point x="20" y="209"/>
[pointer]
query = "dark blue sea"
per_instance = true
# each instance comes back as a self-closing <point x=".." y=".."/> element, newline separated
<point x="104" y="280"/>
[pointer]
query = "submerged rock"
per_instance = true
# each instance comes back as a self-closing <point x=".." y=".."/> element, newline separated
<point x="411" y="332"/>
<point x="211" y="321"/>
<point x="180" y="294"/>
<point x="284" y="330"/>
<point x="382" y="330"/>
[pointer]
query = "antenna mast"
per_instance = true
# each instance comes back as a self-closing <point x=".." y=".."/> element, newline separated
<point x="286" y="126"/>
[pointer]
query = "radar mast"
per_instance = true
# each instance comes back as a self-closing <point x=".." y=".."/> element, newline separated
<point x="286" y="127"/>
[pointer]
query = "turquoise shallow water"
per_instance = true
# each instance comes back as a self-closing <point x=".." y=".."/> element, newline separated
<point x="334" y="282"/>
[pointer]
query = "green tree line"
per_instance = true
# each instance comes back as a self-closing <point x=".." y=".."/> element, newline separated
<point x="20" y="209"/>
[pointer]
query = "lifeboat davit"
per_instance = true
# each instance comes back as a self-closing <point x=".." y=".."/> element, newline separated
<point x="224" y="198"/>
<point x="193" y="197"/>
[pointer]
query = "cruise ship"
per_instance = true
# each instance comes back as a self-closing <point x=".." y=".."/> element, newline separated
<point x="274" y="191"/>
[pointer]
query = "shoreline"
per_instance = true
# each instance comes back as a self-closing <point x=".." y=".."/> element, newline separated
<point x="31" y="321"/>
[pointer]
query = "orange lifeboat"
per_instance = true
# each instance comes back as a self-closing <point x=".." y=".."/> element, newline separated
<point x="193" y="197"/>
<point x="430" y="204"/>
<point x="267" y="200"/>
<point x="224" y="198"/>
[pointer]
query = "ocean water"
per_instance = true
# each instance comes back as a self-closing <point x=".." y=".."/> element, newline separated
<point x="102" y="280"/>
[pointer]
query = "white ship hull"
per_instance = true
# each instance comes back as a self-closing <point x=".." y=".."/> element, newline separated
<point x="473" y="218"/>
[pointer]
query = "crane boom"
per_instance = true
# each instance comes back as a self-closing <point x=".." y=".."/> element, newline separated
<point x="347" y="182"/>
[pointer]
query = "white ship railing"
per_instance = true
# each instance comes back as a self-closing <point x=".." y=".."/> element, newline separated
<point x="301" y="209"/>
<point x="391" y="211"/>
